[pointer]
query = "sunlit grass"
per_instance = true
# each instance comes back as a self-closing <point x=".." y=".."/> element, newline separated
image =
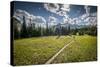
<point x="83" y="49"/>
<point x="37" y="50"/>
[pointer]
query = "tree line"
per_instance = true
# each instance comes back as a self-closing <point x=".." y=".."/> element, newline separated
<point x="20" y="30"/>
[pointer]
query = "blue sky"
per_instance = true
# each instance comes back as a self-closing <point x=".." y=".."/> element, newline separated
<point x="38" y="9"/>
<point x="34" y="8"/>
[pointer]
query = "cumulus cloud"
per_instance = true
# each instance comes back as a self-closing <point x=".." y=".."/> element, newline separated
<point x="75" y="21"/>
<point x="38" y="20"/>
<point x="84" y="16"/>
<point x="61" y="13"/>
<point x="82" y="20"/>
<point x="91" y="19"/>
<point x="87" y="9"/>
<point x="87" y="18"/>
<point x="52" y="20"/>
<point x="65" y="7"/>
<point x="21" y="13"/>
<point x="70" y="20"/>
<point x="65" y="20"/>
<point x="58" y="9"/>
<point x="51" y="7"/>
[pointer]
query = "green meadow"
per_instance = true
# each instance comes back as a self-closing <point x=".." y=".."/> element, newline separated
<point x="84" y="48"/>
<point x="38" y="50"/>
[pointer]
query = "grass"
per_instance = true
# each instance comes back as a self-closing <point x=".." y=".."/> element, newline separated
<point x="84" y="48"/>
<point x="38" y="50"/>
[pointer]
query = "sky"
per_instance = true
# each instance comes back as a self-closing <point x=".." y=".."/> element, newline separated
<point x="53" y="13"/>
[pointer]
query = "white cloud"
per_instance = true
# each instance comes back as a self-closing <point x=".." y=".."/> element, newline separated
<point x="69" y="20"/>
<point x="18" y="18"/>
<point x="75" y="21"/>
<point x="59" y="9"/>
<point x="84" y="16"/>
<point x="21" y="13"/>
<point x="86" y="20"/>
<point x="91" y="19"/>
<point x="66" y="20"/>
<point x="61" y="13"/>
<point x="65" y="7"/>
<point x="63" y="10"/>
<point x="38" y="20"/>
<point x="83" y="19"/>
<point x="87" y="8"/>
<point x="52" y="20"/>
<point x="51" y="7"/>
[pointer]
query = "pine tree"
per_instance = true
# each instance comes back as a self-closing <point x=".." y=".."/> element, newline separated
<point x="24" y="32"/>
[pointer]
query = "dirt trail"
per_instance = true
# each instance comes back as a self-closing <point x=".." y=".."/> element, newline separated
<point x="53" y="57"/>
